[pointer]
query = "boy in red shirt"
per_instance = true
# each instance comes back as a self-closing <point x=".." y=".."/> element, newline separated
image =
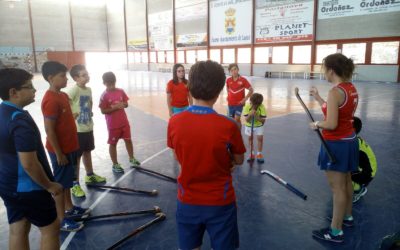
<point x="236" y="85"/>
<point x="207" y="146"/>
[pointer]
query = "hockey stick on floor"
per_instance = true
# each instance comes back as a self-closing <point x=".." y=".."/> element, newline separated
<point x="155" y="173"/>
<point x="284" y="183"/>
<point x="160" y="217"/>
<point x="155" y="210"/>
<point x="331" y="158"/>
<point x="153" y="192"/>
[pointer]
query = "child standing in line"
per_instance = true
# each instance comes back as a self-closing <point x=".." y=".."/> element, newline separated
<point x="367" y="164"/>
<point x="255" y="115"/>
<point x="81" y="102"/>
<point x="178" y="97"/>
<point x="113" y="101"/>
<point x="236" y="85"/>
<point x="62" y="139"/>
<point x="207" y="146"/>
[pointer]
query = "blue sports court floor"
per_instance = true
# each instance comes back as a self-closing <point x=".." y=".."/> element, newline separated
<point x="270" y="216"/>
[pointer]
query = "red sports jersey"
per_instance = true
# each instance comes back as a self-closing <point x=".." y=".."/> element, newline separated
<point x="179" y="94"/>
<point x="56" y="106"/>
<point x="202" y="140"/>
<point x="346" y="113"/>
<point x="236" y="90"/>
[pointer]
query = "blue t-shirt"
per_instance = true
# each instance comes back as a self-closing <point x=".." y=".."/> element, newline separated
<point x="18" y="133"/>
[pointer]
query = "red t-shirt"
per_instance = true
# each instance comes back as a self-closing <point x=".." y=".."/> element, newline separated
<point x="179" y="94"/>
<point x="346" y="114"/>
<point x="236" y="90"/>
<point x="201" y="138"/>
<point x="56" y="106"/>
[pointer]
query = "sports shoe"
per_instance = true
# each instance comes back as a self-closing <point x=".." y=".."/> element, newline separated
<point x="357" y="195"/>
<point x="346" y="223"/>
<point x="260" y="158"/>
<point x="117" y="168"/>
<point x="69" y="225"/>
<point x="251" y="158"/>
<point x="134" y="162"/>
<point x="326" y="234"/>
<point x="76" y="212"/>
<point x="77" y="191"/>
<point x="94" y="178"/>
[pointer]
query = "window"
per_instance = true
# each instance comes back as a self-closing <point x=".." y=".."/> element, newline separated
<point x="170" y="57"/>
<point x="228" y="55"/>
<point x="385" y="52"/>
<point x="145" y="58"/>
<point x="181" y="56"/>
<point x="131" y="57"/>
<point x="190" y="56"/>
<point x="261" y="55"/>
<point x="244" y="55"/>
<point x="215" y="55"/>
<point x="355" y="51"/>
<point x="302" y="54"/>
<point x="153" y="57"/>
<point x="160" y="56"/>
<point x="137" y="57"/>
<point x="201" y="55"/>
<point x="324" y="51"/>
<point x="280" y="54"/>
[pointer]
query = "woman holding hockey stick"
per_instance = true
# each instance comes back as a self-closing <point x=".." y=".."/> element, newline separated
<point x="338" y="132"/>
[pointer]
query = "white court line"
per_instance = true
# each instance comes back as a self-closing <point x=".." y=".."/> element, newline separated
<point x="101" y="197"/>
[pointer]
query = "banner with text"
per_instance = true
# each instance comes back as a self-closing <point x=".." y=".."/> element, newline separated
<point x="160" y="30"/>
<point x="284" y="21"/>
<point x="230" y="22"/>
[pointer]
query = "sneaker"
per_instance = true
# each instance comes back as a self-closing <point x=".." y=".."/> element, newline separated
<point x="326" y="234"/>
<point x="357" y="195"/>
<point x="134" y="162"/>
<point x="77" y="191"/>
<point x="260" y="158"/>
<point x="346" y="223"/>
<point x="117" y="168"/>
<point x="94" y="179"/>
<point x="77" y="212"/>
<point x="69" y="225"/>
<point x="251" y="158"/>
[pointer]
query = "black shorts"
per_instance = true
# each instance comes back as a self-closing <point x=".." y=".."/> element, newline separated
<point x="38" y="207"/>
<point x="86" y="142"/>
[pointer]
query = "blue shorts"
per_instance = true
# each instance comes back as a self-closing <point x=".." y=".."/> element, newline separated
<point x="38" y="207"/>
<point x="235" y="111"/>
<point x="176" y="110"/>
<point x="66" y="174"/>
<point x="219" y="221"/>
<point x="344" y="151"/>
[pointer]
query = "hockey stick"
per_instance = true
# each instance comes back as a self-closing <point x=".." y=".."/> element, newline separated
<point x="160" y="217"/>
<point x="331" y="158"/>
<point x="284" y="183"/>
<point x="155" y="173"/>
<point x="155" y="210"/>
<point x="252" y="141"/>
<point x="153" y="192"/>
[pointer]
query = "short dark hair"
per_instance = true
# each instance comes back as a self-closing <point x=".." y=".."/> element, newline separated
<point x="357" y="124"/>
<point x="52" y="68"/>
<point x="232" y="65"/>
<point x="206" y="80"/>
<point x="256" y="99"/>
<point x="74" y="72"/>
<point x="340" y="64"/>
<point x="109" y="77"/>
<point x="12" y="78"/>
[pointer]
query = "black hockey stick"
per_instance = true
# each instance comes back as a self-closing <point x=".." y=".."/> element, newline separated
<point x="153" y="192"/>
<point x="331" y="158"/>
<point x="160" y="217"/>
<point x="284" y="183"/>
<point x="155" y="173"/>
<point x="155" y="210"/>
<point x="252" y="142"/>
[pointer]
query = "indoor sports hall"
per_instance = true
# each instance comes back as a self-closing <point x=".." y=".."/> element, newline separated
<point x="279" y="47"/>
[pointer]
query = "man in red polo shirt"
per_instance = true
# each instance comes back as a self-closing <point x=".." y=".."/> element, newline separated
<point x="207" y="146"/>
